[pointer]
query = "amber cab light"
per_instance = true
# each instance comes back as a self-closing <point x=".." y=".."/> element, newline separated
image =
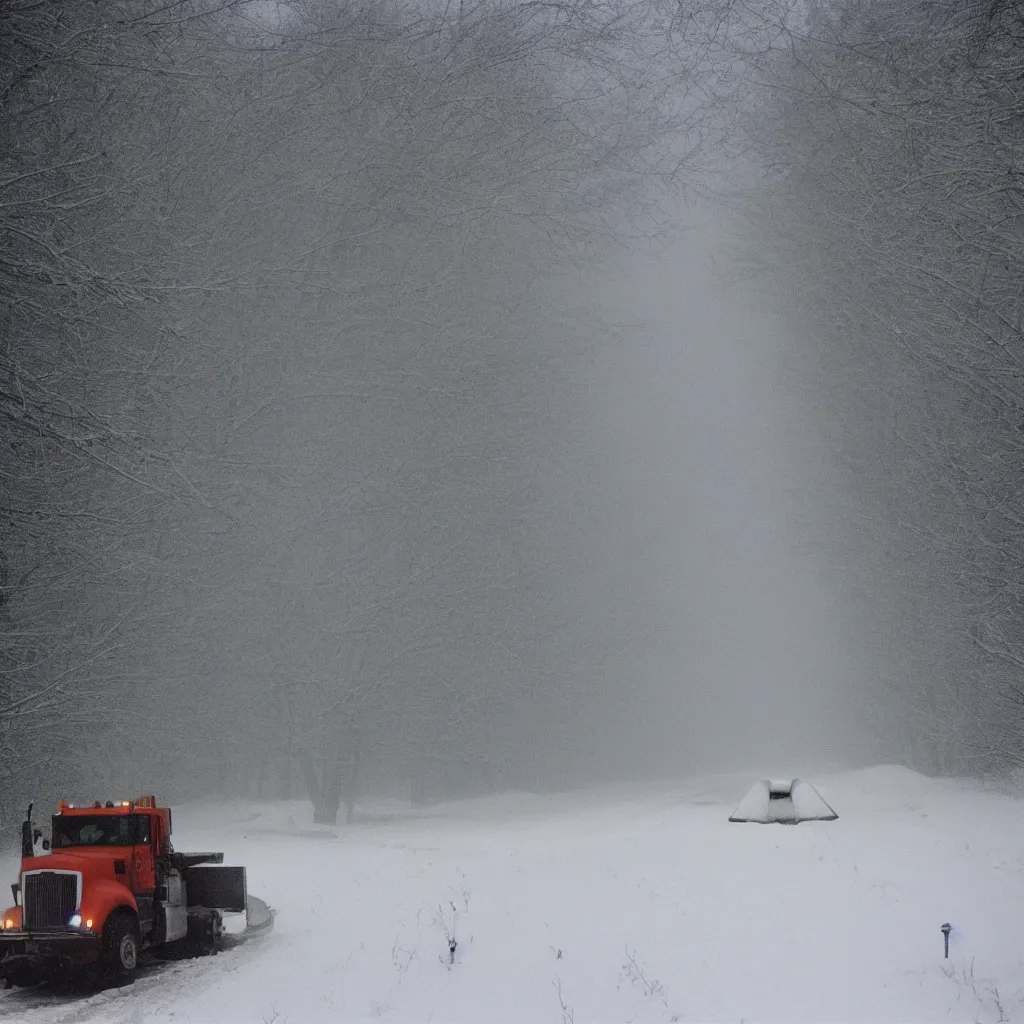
<point x="88" y="923"/>
<point x="9" y="923"/>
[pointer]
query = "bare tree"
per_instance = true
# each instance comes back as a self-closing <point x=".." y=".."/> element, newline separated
<point x="891" y="208"/>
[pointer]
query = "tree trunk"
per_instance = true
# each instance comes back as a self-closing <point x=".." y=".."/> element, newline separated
<point x="325" y="807"/>
<point x="352" y="782"/>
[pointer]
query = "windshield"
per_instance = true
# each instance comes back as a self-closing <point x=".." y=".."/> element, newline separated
<point x="94" y="830"/>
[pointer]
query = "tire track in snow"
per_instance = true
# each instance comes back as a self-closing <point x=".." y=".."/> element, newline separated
<point x="151" y="998"/>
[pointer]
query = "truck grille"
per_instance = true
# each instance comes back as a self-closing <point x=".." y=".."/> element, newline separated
<point x="49" y="899"/>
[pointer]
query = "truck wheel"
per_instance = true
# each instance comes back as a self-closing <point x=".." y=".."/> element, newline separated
<point x="20" y="976"/>
<point x="204" y="932"/>
<point x="121" y="946"/>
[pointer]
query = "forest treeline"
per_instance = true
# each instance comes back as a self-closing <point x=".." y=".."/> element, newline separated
<point x="286" y="377"/>
<point x="888" y="218"/>
<point x="283" y="347"/>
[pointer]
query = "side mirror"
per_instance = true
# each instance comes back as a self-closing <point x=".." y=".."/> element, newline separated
<point x="46" y="844"/>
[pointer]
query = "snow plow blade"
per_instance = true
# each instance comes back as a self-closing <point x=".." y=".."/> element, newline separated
<point x="258" y="917"/>
<point x="259" y="920"/>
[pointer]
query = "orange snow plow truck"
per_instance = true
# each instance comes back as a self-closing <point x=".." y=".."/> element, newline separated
<point x="108" y="886"/>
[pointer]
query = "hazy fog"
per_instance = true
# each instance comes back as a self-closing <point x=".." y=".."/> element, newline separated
<point x="385" y="413"/>
<point x="738" y="653"/>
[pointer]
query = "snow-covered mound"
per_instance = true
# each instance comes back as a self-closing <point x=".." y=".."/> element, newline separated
<point x="782" y="801"/>
<point x="638" y="904"/>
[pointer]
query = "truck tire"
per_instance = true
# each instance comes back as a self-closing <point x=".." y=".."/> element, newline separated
<point x="20" y="975"/>
<point x="122" y="944"/>
<point x="204" y="932"/>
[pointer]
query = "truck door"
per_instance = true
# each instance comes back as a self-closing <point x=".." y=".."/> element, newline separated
<point x="142" y="871"/>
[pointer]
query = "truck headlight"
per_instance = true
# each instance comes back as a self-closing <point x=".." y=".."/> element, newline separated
<point x="75" y="921"/>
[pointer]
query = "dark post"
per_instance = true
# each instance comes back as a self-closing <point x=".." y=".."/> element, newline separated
<point x="946" y="929"/>
<point x="27" y="849"/>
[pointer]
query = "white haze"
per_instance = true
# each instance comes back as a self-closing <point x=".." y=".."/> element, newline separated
<point x="403" y="466"/>
<point x="709" y="468"/>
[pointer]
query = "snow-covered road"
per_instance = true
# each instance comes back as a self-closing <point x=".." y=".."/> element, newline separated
<point x="640" y="904"/>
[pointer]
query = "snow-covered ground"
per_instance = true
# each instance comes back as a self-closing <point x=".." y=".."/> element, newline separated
<point x="634" y="905"/>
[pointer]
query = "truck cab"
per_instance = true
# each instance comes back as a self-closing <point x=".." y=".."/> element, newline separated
<point x="121" y="851"/>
